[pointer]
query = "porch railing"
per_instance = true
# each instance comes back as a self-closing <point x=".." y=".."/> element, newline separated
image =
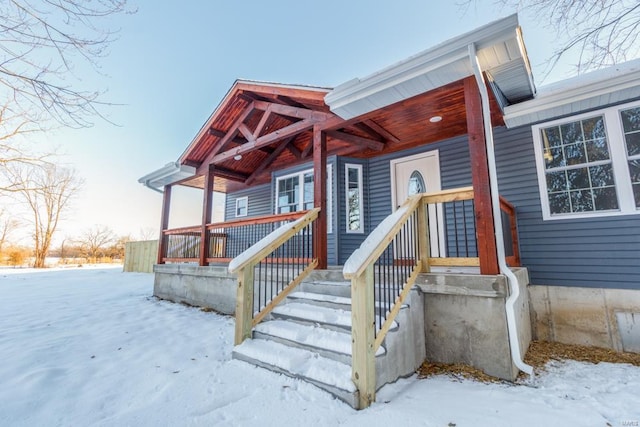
<point x="225" y="240"/>
<point x="435" y="229"/>
<point x="270" y="269"/>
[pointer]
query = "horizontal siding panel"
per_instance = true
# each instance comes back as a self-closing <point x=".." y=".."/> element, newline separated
<point x="589" y="252"/>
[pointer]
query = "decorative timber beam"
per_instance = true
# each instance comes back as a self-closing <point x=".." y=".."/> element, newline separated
<point x="230" y="174"/>
<point x="262" y="122"/>
<point x="290" y="111"/>
<point x="355" y="139"/>
<point x="275" y="136"/>
<point x="293" y="150"/>
<point x="308" y="149"/>
<point x="382" y="131"/>
<point x="268" y="160"/>
<point x="236" y="140"/>
<point x="231" y="133"/>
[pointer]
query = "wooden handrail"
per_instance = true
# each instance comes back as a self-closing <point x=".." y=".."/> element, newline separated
<point x="245" y="264"/>
<point x="264" y="219"/>
<point x="376" y="243"/>
<point x="181" y="230"/>
<point x="453" y="195"/>
<point x="271" y="241"/>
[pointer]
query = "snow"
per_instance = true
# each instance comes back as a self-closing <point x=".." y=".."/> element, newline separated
<point x="321" y="298"/>
<point x="300" y="362"/>
<point x="315" y="313"/>
<point x="360" y="255"/>
<point x="91" y="347"/>
<point x="311" y="335"/>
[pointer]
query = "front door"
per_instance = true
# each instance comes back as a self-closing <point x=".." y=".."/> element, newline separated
<point x="416" y="174"/>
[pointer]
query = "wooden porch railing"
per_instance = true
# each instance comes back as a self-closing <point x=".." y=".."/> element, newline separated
<point x="225" y="240"/>
<point x="435" y="229"/>
<point x="270" y="269"/>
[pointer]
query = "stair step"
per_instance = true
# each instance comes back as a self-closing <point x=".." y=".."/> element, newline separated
<point x="314" y="314"/>
<point x="337" y="288"/>
<point x="312" y="337"/>
<point x="331" y="301"/>
<point x="330" y="375"/>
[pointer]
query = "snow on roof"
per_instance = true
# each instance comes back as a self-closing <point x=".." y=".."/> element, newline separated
<point x="590" y="91"/>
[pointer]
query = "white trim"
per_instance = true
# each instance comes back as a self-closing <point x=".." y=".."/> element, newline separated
<point x="300" y="175"/>
<point x="619" y="162"/>
<point x="572" y="92"/>
<point x="246" y="199"/>
<point x="357" y="167"/>
<point x="166" y="175"/>
<point x="501" y="47"/>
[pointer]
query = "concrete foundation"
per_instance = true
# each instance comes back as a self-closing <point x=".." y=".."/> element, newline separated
<point x="405" y="346"/>
<point x="608" y="318"/>
<point x="465" y="321"/>
<point x="211" y="287"/>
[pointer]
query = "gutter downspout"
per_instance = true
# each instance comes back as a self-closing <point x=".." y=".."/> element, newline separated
<point x="512" y="280"/>
<point x="146" y="184"/>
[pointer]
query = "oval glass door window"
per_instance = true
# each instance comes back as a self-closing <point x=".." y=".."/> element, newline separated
<point x="416" y="184"/>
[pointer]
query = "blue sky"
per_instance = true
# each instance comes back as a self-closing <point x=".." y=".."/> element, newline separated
<point x="173" y="63"/>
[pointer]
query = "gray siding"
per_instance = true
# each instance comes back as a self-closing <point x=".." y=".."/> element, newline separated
<point x="260" y="202"/>
<point x="594" y="252"/>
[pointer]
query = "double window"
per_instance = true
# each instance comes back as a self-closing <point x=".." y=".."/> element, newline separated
<point x="589" y="165"/>
<point x="294" y="192"/>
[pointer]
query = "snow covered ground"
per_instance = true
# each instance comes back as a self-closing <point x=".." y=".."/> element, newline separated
<point x="84" y="347"/>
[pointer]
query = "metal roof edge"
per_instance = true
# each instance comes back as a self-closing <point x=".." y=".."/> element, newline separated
<point x="446" y="52"/>
<point x="574" y="90"/>
<point x="174" y="168"/>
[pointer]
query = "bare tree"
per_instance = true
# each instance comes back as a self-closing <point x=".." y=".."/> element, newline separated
<point x="8" y="224"/>
<point x="599" y="32"/>
<point x="148" y="233"/>
<point x="46" y="190"/>
<point x="42" y="40"/>
<point x="95" y="240"/>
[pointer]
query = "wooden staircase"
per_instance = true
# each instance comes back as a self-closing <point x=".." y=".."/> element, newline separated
<point x="308" y="336"/>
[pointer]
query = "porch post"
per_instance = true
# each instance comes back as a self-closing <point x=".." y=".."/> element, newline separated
<point x="164" y="222"/>
<point x="320" y="195"/>
<point x="207" y="207"/>
<point x="485" y="230"/>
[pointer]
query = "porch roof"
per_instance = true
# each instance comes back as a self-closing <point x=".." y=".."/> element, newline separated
<point x="259" y="127"/>
<point x="501" y="53"/>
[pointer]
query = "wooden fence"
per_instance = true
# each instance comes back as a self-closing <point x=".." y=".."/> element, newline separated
<point x="140" y="256"/>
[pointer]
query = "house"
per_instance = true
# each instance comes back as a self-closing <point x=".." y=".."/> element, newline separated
<point x="466" y="210"/>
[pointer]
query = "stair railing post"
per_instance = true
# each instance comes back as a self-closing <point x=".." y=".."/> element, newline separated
<point x="244" y="304"/>
<point x="423" y="236"/>
<point x="363" y="371"/>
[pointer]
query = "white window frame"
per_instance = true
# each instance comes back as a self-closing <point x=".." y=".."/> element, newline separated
<point x="358" y="167"/>
<point x="619" y="161"/>
<point x="300" y="176"/>
<point x="246" y="199"/>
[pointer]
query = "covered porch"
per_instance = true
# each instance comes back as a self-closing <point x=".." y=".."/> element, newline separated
<point x="451" y="95"/>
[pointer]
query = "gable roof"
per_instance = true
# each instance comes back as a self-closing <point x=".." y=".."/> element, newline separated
<point x="500" y="51"/>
